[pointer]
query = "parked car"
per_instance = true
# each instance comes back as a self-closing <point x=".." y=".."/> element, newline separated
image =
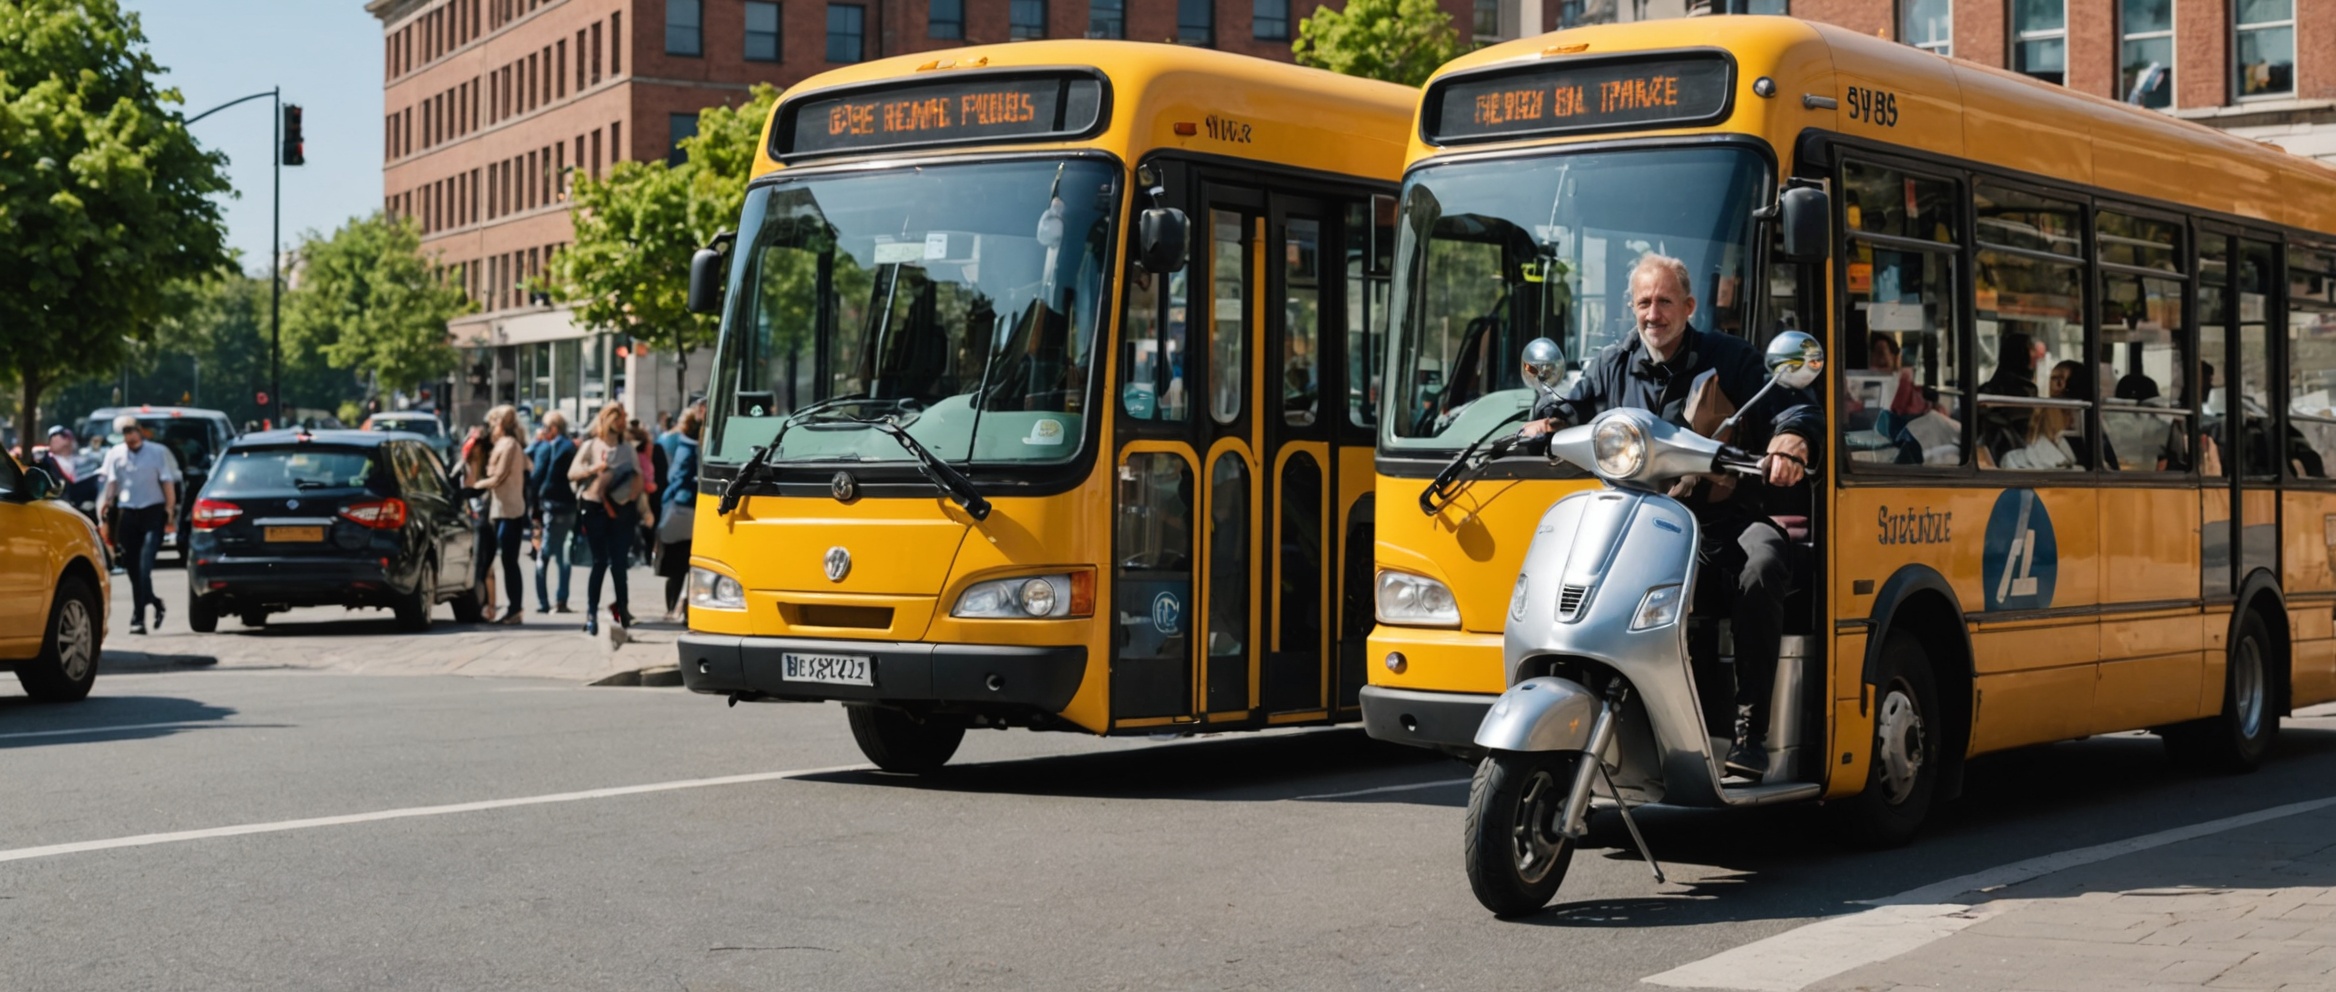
<point x="419" y="422"/>
<point x="194" y="436"/>
<point x="53" y="591"/>
<point x="324" y="518"/>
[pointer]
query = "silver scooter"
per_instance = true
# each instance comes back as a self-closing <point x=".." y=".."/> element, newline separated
<point x="1597" y="650"/>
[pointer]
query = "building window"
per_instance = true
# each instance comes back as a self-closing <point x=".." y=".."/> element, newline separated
<point x="1271" y="19"/>
<point x="2040" y="39"/>
<point x="947" y="19"/>
<point x="2266" y="47"/>
<point x="1025" y="19"/>
<point x="1487" y="25"/>
<point x="762" y="31"/>
<point x="2145" y="57"/>
<point x="679" y="126"/>
<point x="684" y="27"/>
<point x="1196" y="22"/>
<point x="1928" y="25"/>
<point x="1107" y="19"/>
<point x="846" y="30"/>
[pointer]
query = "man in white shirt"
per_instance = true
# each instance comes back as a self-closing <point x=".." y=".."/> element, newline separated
<point x="143" y="480"/>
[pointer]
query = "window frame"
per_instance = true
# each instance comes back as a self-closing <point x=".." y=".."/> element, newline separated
<point x="1958" y="254"/>
<point x="2015" y="36"/>
<point x="2238" y="29"/>
<point x="1017" y="30"/>
<point x="1906" y="9"/>
<point x="1203" y="34"/>
<point x="2186" y="257"/>
<point x="2173" y="58"/>
<point x="697" y="28"/>
<point x="949" y="28"/>
<point x="1259" y="18"/>
<point x="778" y="32"/>
<point x="1118" y="20"/>
<point x="859" y="12"/>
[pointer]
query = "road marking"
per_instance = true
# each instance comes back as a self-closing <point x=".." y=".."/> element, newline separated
<point x="180" y="725"/>
<point x="179" y="836"/>
<point x="1797" y="958"/>
<point x="1382" y="789"/>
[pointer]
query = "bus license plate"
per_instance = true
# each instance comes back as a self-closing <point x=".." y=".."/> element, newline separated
<point x="296" y="534"/>
<point x="833" y="668"/>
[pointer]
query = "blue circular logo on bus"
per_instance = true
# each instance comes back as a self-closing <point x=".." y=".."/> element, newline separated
<point x="1167" y="613"/>
<point x="2020" y="561"/>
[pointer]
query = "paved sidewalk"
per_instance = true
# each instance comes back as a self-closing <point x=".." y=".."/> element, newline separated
<point x="550" y="646"/>
<point x="2249" y="908"/>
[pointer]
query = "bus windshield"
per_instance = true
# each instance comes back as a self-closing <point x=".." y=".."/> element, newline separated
<point x="1491" y="254"/>
<point x="960" y="299"/>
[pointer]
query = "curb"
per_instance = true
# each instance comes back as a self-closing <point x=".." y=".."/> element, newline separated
<point x="143" y="661"/>
<point x="654" y="676"/>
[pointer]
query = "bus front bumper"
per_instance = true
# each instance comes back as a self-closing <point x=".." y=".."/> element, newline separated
<point x="1012" y="675"/>
<point x="1446" y="720"/>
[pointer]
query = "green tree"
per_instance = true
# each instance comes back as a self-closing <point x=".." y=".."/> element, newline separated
<point x="1398" y="41"/>
<point x="367" y="300"/>
<point x="211" y="351"/>
<point x="104" y="196"/>
<point x="628" y="269"/>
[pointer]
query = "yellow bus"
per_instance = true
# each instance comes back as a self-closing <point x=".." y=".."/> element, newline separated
<point x="2082" y="400"/>
<point x="1037" y="403"/>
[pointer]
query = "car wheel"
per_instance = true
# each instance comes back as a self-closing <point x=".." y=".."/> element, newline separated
<point x="202" y="615"/>
<point x="413" y="613"/>
<point x="67" y="664"/>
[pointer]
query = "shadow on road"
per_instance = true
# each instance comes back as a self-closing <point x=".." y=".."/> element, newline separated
<point x="1228" y="769"/>
<point x="24" y="723"/>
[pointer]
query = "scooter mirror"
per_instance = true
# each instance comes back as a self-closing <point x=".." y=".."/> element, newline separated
<point x="1795" y="359"/>
<point x="1544" y="365"/>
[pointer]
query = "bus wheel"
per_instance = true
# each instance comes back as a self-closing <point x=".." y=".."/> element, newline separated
<point x="1515" y="851"/>
<point x="898" y="742"/>
<point x="1902" y="770"/>
<point x="2238" y="738"/>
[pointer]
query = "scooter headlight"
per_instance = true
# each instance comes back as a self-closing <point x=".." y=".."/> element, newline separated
<point x="1416" y="601"/>
<point x="1517" y="598"/>
<point x="1660" y="608"/>
<point x="1621" y="448"/>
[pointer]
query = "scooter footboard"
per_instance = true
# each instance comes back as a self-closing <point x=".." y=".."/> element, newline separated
<point x="1540" y="714"/>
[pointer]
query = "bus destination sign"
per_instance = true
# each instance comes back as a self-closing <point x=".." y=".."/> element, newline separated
<point x="950" y="112"/>
<point x="1593" y="96"/>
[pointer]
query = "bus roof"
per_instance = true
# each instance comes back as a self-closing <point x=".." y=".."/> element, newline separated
<point x="1295" y="116"/>
<point x="1959" y="110"/>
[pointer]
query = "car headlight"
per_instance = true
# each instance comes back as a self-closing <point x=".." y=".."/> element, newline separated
<point x="1660" y="608"/>
<point x="1621" y="448"/>
<point x="1028" y="597"/>
<point x="711" y="590"/>
<point x="1416" y="601"/>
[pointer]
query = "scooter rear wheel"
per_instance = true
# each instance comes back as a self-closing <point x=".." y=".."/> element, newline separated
<point x="1515" y="851"/>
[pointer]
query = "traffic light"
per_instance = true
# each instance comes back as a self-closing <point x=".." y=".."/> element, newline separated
<point x="294" y="154"/>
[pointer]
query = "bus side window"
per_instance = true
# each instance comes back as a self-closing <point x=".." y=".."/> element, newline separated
<point x="1903" y="375"/>
<point x="2311" y="361"/>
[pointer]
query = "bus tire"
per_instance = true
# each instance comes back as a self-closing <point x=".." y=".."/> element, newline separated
<point x="1516" y="855"/>
<point x="2235" y="740"/>
<point x="898" y="742"/>
<point x="1902" y="770"/>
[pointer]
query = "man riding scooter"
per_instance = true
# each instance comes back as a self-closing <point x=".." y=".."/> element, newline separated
<point x="1655" y="370"/>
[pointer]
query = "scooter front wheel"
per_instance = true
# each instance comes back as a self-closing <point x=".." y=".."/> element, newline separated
<point x="1516" y="848"/>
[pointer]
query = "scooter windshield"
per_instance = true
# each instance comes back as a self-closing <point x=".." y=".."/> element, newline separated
<point x="1493" y="253"/>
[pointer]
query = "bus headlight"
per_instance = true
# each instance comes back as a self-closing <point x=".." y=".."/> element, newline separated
<point x="1659" y="609"/>
<point x="1416" y="601"/>
<point x="1621" y="448"/>
<point x="711" y="590"/>
<point x="1028" y="597"/>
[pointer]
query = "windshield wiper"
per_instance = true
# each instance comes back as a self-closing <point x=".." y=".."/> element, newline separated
<point x="314" y="484"/>
<point x="1436" y="496"/>
<point x="736" y="490"/>
<point x="948" y="479"/>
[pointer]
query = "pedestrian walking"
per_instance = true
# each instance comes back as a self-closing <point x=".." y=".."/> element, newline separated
<point x="609" y="509"/>
<point x="505" y="482"/>
<point x="653" y="482"/>
<point x="477" y="451"/>
<point x="680" y="513"/>
<point x="142" y="480"/>
<point x="555" y="497"/>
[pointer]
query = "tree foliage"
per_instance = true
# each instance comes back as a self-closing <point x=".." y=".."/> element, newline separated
<point x="628" y="270"/>
<point x="212" y="351"/>
<point x="103" y="194"/>
<point x="1398" y="41"/>
<point x="367" y="300"/>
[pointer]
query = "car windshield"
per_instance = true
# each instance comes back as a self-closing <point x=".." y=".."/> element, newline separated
<point x="1492" y="254"/>
<point x="288" y="471"/>
<point x="960" y="299"/>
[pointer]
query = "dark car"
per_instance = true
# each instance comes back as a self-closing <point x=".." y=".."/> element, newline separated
<point x="420" y="422"/>
<point x="325" y="518"/>
<point x="194" y="437"/>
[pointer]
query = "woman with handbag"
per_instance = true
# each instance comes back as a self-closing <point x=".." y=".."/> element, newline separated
<point x="681" y="511"/>
<point x="505" y="483"/>
<point x="613" y="498"/>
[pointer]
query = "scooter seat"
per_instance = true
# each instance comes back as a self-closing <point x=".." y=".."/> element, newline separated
<point x="1796" y="528"/>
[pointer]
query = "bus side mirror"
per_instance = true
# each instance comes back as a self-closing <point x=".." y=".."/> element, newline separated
<point x="705" y="275"/>
<point x="1807" y="214"/>
<point x="1162" y="234"/>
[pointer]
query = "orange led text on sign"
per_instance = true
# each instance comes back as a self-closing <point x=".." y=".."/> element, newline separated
<point x="1640" y="93"/>
<point x="1570" y="100"/>
<point x="929" y="113"/>
<point x="997" y="108"/>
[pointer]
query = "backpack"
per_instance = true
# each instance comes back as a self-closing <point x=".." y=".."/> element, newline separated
<point x="621" y="484"/>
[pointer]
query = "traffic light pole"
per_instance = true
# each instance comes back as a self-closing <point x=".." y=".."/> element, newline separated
<point x="275" y="405"/>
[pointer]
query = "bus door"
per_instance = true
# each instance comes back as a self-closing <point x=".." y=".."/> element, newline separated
<point x="2238" y="455"/>
<point x="1302" y="393"/>
<point x="1228" y="245"/>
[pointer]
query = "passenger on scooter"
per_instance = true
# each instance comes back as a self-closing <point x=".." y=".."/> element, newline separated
<point x="1654" y="370"/>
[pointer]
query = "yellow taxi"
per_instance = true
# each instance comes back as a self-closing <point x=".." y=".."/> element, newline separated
<point x="53" y="590"/>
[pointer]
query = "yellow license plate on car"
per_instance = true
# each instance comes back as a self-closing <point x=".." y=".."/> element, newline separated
<point x="295" y="533"/>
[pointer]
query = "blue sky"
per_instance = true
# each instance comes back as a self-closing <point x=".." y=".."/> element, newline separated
<point x="326" y="54"/>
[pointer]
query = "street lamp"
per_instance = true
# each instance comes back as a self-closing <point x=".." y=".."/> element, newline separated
<point x="286" y="153"/>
